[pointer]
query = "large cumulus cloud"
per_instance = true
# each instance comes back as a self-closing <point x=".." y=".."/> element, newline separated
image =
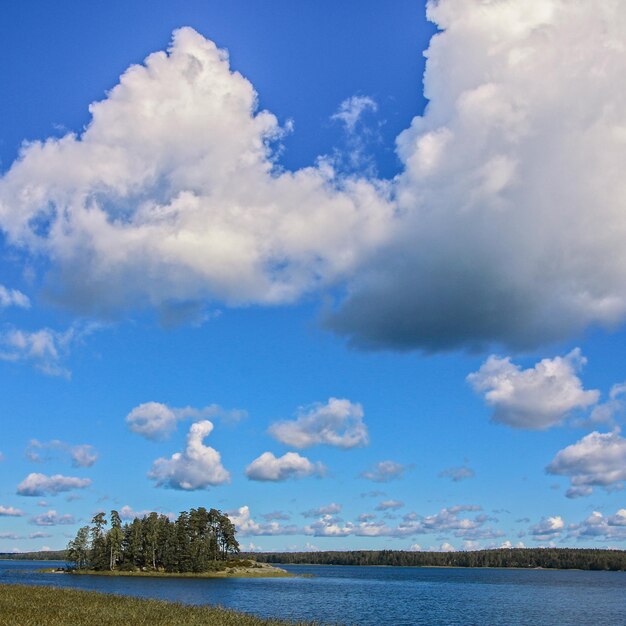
<point x="171" y="196"/>
<point x="512" y="197"/>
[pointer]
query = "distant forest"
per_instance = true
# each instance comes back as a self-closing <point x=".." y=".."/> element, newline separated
<point x="549" y="558"/>
<point x="195" y="542"/>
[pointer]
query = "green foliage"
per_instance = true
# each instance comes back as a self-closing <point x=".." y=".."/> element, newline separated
<point x="32" y="606"/>
<point x="549" y="558"/>
<point x="195" y="542"/>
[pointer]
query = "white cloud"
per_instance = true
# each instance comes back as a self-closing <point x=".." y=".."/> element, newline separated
<point x="536" y="398"/>
<point x="52" y="518"/>
<point x="457" y="474"/>
<point x="10" y="511"/>
<point x="39" y="484"/>
<point x="329" y="509"/>
<point x="600" y="527"/>
<point x="447" y="520"/>
<point x="246" y="526"/>
<point x="171" y="197"/>
<point x="13" y="536"/>
<point x="82" y="455"/>
<point x="13" y="297"/>
<point x="275" y="515"/>
<point x="548" y="528"/>
<point x="197" y="467"/>
<point x="156" y="421"/>
<point x="509" y="227"/>
<point x="351" y="110"/>
<point x="384" y="471"/>
<point x="268" y="467"/>
<point x="606" y="412"/>
<point x="128" y="513"/>
<point x="387" y="505"/>
<point x="598" y="459"/>
<point x="39" y="535"/>
<point x="152" y="420"/>
<point x="505" y="224"/>
<point x="44" y="348"/>
<point x="338" y="423"/>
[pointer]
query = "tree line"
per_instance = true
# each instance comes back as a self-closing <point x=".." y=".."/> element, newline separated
<point x="195" y="542"/>
<point x="549" y="558"/>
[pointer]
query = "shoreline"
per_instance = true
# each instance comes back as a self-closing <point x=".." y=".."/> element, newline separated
<point x="261" y="570"/>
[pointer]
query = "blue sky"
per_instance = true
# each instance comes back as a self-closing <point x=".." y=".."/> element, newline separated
<point x="278" y="283"/>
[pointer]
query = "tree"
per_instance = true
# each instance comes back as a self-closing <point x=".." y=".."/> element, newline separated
<point x="115" y="538"/>
<point x="78" y="549"/>
<point x="98" y="558"/>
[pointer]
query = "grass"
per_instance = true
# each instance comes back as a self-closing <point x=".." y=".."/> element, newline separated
<point x="22" y="605"/>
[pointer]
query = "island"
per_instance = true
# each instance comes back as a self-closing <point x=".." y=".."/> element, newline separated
<point x="199" y="543"/>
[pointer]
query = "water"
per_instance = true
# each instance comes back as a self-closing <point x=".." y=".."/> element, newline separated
<point x="371" y="596"/>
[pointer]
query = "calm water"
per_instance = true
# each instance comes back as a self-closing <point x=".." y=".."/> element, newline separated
<point x="382" y="595"/>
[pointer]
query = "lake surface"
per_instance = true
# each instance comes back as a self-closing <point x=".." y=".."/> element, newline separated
<point x="371" y="596"/>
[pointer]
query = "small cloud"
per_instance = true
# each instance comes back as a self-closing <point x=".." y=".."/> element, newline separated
<point x="384" y="471"/>
<point x="375" y="493"/>
<point x="40" y="484"/>
<point x="328" y="509"/>
<point x="128" y="513"/>
<point x="83" y="455"/>
<point x="337" y="423"/>
<point x="388" y="505"/>
<point x="351" y="110"/>
<point x="447" y="547"/>
<point x="246" y="526"/>
<point x="276" y="515"/>
<point x="10" y="511"/>
<point x="196" y="467"/>
<point x="52" y="518"/>
<point x="597" y="460"/>
<point x="156" y="421"/>
<point x="270" y="468"/>
<point x="536" y="398"/>
<point x="13" y="297"/>
<point x="44" y="348"/>
<point x="39" y="535"/>
<point x="548" y="528"/>
<point x="457" y="474"/>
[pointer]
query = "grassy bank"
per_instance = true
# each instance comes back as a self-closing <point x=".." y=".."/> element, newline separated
<point x="22" y="605"/>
